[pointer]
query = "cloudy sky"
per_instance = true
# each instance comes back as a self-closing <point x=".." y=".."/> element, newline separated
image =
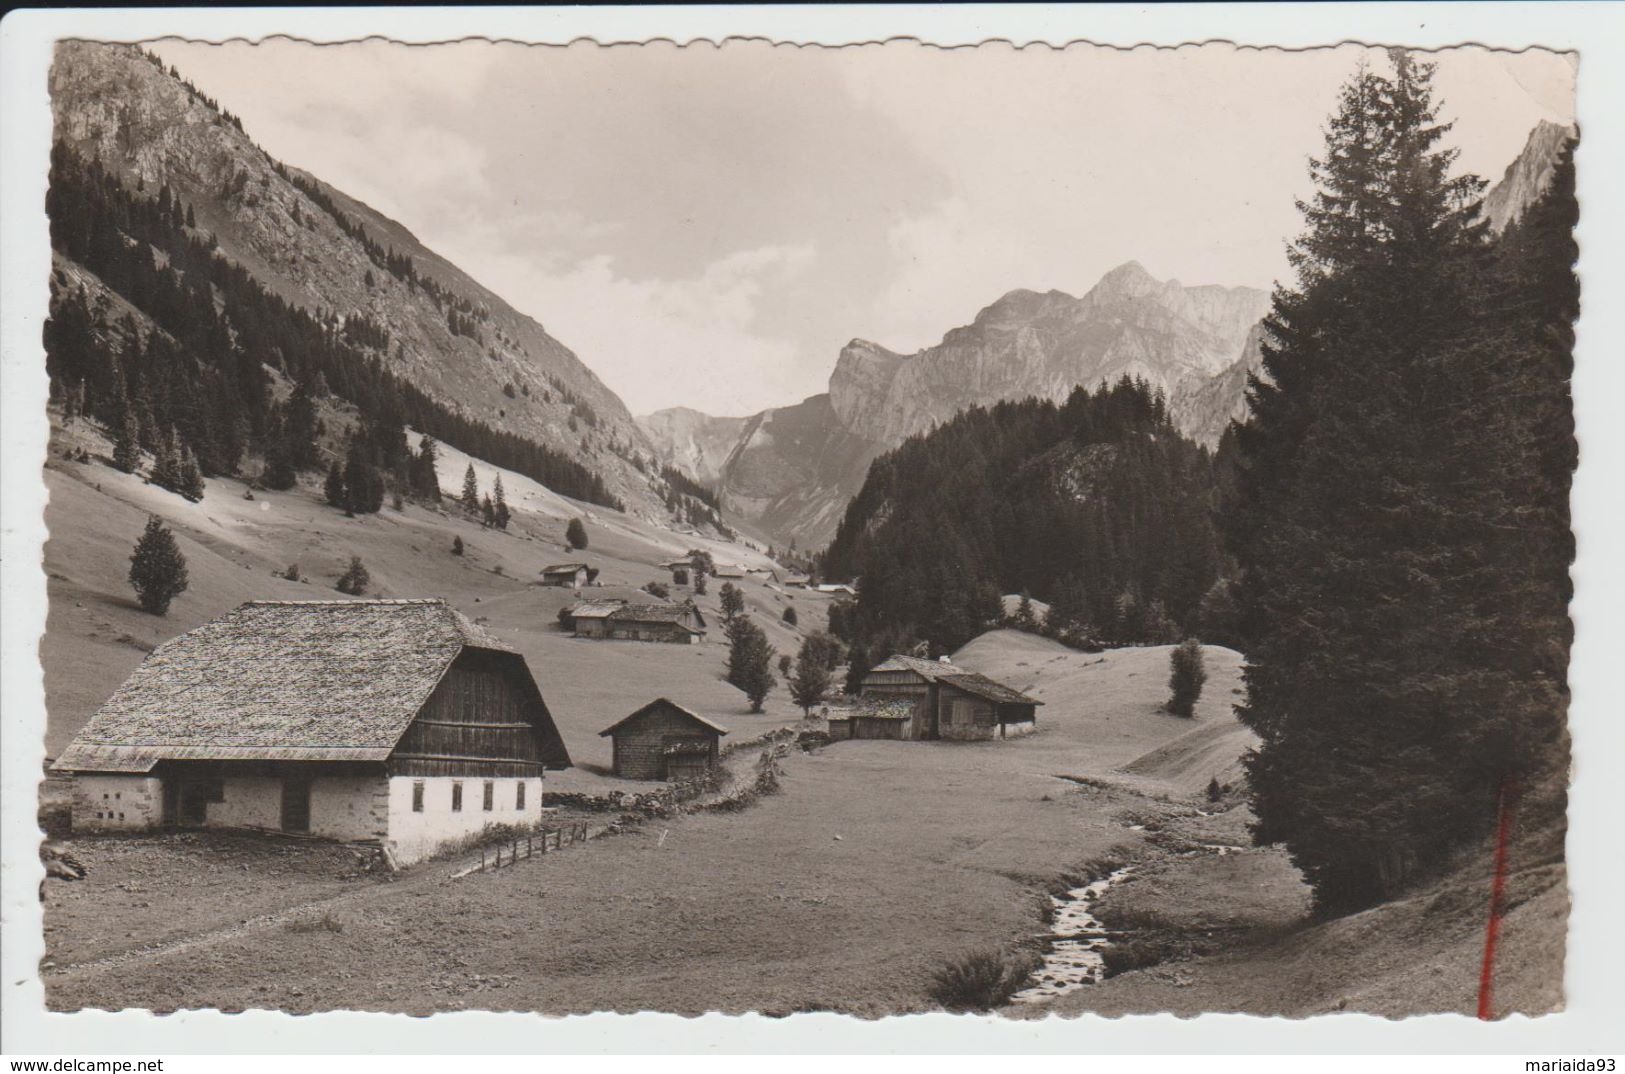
<point x="707" y="226"/>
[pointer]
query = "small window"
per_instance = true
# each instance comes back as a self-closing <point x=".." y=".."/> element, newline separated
<point x="456" y="797"/>
<point x="519" y="795"/>
<point x="417" y="796"/>
<point x="490" y="795"/>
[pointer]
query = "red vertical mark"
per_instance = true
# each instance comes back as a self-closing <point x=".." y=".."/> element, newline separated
<point x="1503" y="832"/>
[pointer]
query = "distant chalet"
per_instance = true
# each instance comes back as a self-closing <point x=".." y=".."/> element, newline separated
<point x="663" y="740"/>
<point x="571" y="575"/>
<point x="391" y="720"/>
<point x="681" y="624"/>
<point x="909" y="698"/>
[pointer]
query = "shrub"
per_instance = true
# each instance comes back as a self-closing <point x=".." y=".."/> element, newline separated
<point x="679" y="576"/>
<point x="1214" y="791"/>
<point x="981" y="981"/>
<point x="784" y="664"/>
<point x="292" y="573"/>
<point x="575" y="534"/>
<point x="790" y="616"/>
<point x="1187" y="674"/>
<point x="157" y="568"/>
<point x="658" y="589"/>
<point x="355" y="579"/>
<point x="326" y="923"/>
<point x="456" y="546"/>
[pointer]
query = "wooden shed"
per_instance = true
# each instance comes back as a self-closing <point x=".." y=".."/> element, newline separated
<point x="569" y="575"/>
<point x="397" y="721"/>
<point x="950" y="702"/>
<point x="663" y="740"/>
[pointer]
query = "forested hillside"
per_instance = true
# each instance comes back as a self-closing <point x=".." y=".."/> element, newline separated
<point x="1096" y="505"/>
<point x="208" y="297"/>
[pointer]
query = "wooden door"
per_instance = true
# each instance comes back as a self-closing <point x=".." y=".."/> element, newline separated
<point x="295" y="803"/>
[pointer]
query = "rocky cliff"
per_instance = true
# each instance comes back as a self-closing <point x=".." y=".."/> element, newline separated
<point x="1527" y="177"/>
<point x="320" y="249"/>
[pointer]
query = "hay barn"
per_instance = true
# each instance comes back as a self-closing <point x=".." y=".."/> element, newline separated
<point x="663" y="740"/>
<point x="681" y="624"/>
<point x="570" y="575"/>
<point x="396" y="721"/>
<point x="950" y="702"/>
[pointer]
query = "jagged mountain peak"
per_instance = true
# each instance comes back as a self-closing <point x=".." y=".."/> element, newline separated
<point x="1527" y="177"/>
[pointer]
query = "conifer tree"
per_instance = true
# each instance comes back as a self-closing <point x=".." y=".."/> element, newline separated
<point x="471" y="490"/>
<point x="750" y="660"/>
<point x="733" y="600"/>
<point x="189" y="478"/>
<point x="488" y="512"/>
<point x="355" y="579"/>
<point x="810" y="681"/>
<point x="333" y="487"/>
<point x="1187" y="673"/>
<point x="126" y="443"/>
<point x="500" y="514"/>
<point x="789" y="615"/>
<point x="157" y="568"/>
<point x="575" y="534"/>
<point x="166" y="466"/>
<point x="1025" y="618"/>
<point x="1379" y="500"/>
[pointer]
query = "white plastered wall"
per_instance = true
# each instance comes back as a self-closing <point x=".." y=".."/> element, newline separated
<point x="107" y="802"/>
<point x="414" y="836"/>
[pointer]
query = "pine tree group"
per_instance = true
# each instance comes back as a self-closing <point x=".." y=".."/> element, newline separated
<point x="1400" y="520"/>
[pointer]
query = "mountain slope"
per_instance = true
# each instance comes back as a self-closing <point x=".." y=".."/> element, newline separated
<point x="332" y="256"/>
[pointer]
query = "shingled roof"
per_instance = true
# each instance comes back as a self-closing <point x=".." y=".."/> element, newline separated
<point x="658" y="613"/>
<point x="320" y="680"/>
<point x="666" y="703"/>
<point x="969" y="681"/>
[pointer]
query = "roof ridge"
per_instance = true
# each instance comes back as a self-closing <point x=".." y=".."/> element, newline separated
<point x="363" y="602"/>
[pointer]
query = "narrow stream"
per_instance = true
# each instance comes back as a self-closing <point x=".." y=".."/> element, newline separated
<point x="1075" y="957"/>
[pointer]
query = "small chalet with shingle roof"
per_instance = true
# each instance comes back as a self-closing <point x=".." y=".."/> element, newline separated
<point x="396" y="721"/>
<point x="950" y="702"/>
<point x="570" y="575"/>
<point x="663" y="740"/>
<point x="680" y="623"/>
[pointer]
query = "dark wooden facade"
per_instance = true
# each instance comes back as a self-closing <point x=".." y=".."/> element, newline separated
<point x="945" y="711"/>
<point x="486" y="718"/>
<point x="663" y="740"/>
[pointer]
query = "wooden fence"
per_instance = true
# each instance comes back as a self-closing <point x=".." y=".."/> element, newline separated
<point x="523" y="848"/>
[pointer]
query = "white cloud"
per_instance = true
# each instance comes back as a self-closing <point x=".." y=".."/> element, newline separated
<point x="661" y="343"/>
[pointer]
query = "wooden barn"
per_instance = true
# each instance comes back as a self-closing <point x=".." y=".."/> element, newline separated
<point x="569" y="575"/>
<point x="663" y="740"/>
<point x="395" y="721"/>
<point x="951" y="702"/>
<point x="681" y="624"/>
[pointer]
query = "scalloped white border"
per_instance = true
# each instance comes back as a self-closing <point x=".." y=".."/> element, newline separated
<point x="1596" y="30"/>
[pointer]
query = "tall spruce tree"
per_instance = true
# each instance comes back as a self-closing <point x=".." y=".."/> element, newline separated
<point x="1373" y="520"/>
<point x="471" y="490"/>
<point x="500" y="514"/>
